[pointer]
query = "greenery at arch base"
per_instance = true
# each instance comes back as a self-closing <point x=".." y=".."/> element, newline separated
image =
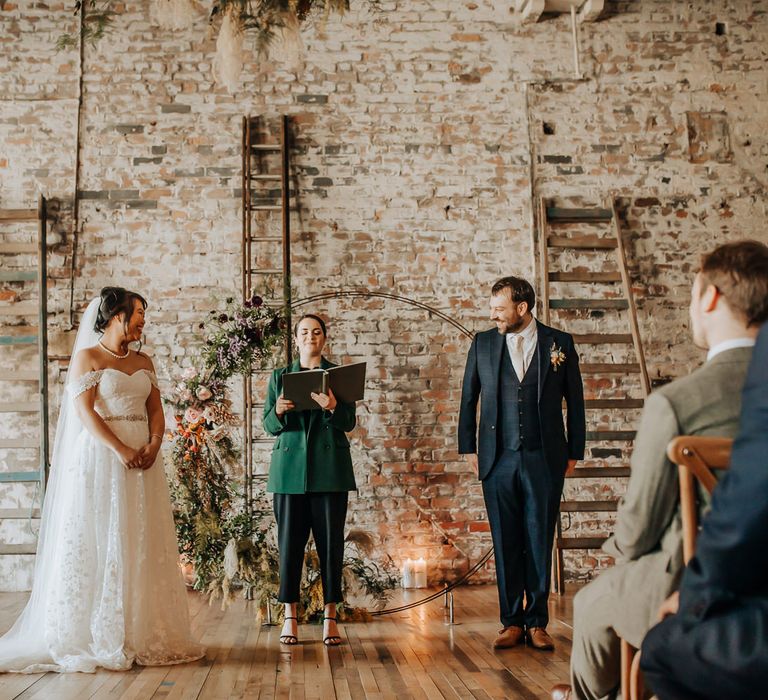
<point x="223" y="547"/>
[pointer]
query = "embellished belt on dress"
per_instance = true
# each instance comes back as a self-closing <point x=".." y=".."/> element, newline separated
<point x="133" y="418"/>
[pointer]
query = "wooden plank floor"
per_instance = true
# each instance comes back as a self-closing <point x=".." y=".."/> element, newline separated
<point x="413" y="654"/>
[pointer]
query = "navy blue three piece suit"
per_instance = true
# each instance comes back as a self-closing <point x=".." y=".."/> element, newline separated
<point x="523" y="451"/>
<point x="716" y="647"/>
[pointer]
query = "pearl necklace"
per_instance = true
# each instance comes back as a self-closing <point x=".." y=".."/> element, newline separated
<point x="114" y="354"/>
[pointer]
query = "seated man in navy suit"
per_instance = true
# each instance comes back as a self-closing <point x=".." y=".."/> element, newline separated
<point x="714" y="641"/>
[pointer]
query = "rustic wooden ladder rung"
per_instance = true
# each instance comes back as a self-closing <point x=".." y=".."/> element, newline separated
<point x="590" y="242"/>
<point x="600" y="472"/>
<point x="603" y="338"/>
<point x="609" y="368"/>
<point x="604" y="221"/>
<point x="585" y="276"/>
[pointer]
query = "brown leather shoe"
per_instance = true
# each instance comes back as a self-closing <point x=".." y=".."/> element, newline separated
<point x="509" y="637"/>
<point x="539" y="639"/>
<point x="561" y="692"/>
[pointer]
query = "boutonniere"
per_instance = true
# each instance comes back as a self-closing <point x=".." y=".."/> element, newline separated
<point x="556" y="356"/>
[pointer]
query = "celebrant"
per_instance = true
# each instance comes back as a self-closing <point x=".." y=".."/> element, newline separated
<point x="310" y="477"/>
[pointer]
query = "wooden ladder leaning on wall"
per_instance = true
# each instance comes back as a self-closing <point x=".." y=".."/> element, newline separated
<point x="17" y="334"/>
<point x="554" y="224"/>
<point x="266" y="258"/>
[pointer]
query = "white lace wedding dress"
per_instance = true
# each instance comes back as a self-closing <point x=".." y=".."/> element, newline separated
<point x="107" y="590"/>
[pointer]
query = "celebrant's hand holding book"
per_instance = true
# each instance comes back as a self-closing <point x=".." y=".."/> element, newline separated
<point x="283" y="405"/>
<point x="322" y="388"/>
<point x="326" y="401"/>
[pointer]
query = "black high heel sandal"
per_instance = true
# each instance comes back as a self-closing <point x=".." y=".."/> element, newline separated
<point x="289" y="639"/>
<point x="332" y="640"/>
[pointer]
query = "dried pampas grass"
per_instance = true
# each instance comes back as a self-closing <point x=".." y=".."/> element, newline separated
<point x="289" y="50"/>
<point x="231" y="563"/>
<point x="175" y="14"/>
<point x="228" y="63"/>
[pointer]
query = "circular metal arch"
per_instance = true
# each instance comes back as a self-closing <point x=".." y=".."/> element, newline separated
<point x="369" y="294"/>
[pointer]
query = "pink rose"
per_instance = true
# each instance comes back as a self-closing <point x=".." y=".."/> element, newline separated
<point x="192" y="415"/>
<point x="189" y="373"/>
<point x="203" y="393"/>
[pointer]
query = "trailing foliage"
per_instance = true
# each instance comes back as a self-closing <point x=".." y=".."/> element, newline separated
<point x="97" y="19"/>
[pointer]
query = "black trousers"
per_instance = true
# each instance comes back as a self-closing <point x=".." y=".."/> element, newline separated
<point x="322" y="514"/>
<point x="722" y="657"/>
<point x="522" y="497"/>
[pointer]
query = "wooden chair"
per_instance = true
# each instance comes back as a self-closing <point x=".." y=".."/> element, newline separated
<point x="695" y="458"/>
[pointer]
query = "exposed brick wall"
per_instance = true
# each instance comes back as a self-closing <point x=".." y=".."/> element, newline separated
<point x="417" y="132"/>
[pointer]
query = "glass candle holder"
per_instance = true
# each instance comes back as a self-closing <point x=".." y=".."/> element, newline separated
<point x="408" y="574"/>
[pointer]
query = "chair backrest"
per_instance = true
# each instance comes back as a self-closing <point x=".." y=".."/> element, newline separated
<point x="696" y="457"/>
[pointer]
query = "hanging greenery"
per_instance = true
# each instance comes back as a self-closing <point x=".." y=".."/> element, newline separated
<point x="264" y="20"/>
<point x="97" y="18"/>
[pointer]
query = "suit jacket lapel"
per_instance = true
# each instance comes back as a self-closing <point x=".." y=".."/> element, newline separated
<point x="545" y="346"/>
<point x="495" y="348"/>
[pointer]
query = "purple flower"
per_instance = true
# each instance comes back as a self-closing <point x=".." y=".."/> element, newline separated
<point x="256" y="300"/>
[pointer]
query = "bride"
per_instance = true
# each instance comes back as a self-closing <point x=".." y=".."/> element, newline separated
<point x="107" y="589"/>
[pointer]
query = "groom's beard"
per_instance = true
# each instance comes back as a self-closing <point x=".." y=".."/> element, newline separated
<point x="513" y="327"/>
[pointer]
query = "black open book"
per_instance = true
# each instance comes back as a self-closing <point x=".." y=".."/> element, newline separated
<point x="346" y="381"/>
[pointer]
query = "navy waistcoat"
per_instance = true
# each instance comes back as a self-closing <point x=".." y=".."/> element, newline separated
<point x="519" y="405"/>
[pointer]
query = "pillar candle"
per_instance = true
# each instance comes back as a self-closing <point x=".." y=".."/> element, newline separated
<point x="420" y="573"/>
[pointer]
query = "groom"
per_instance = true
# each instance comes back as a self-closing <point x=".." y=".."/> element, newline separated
<point x="521" y="371"/>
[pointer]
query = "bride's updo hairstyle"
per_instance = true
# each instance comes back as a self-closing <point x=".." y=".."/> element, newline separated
<point x="114" y="301"/>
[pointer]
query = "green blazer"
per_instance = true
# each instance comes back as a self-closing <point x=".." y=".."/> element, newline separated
<point x="311" y="453"/>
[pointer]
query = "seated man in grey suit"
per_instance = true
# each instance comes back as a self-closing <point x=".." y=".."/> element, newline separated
<point x="729" y="302"/>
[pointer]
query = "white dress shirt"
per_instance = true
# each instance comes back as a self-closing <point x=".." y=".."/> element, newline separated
<point x="530" y="338"/>
<point x="730" y="345"/>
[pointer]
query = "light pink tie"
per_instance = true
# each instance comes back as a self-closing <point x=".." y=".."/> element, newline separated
<point x="518" y="358"/>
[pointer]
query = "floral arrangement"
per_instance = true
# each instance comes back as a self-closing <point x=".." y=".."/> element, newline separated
<point x="204" y="452"/>
<point x="240" y="337"/>
<point x="556" y="356"/>
<point x="222" y="547"/>
<point x="265" y="20"/>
